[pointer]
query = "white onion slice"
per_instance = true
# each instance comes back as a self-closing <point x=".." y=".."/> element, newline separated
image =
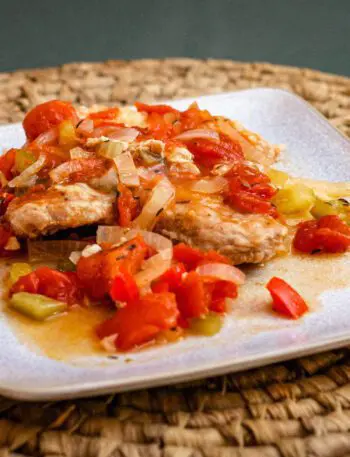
<point x="153" y="268"/>
<point x="209" y="186"/>
<point x="63" y="171"/>
<point x="108" y="343"/>
<point x="196" y="134"/>
<point x="86" y="127"/>
<point x="222" y="271"/>
<point x="28" y="177"/>
<point x="126" y="169"/>
<point x="117" y="234"/>
<point x="79" y="153"/>
<point x="46" y="137"/>
<point x="128" y="134"/>
<point x="162" y="195"/>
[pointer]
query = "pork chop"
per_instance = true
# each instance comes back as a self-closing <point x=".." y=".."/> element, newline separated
<point x="244" y="238"/>
<point x="59" y="207"/>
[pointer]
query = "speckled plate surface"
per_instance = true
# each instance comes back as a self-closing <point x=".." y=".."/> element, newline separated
<point x="252" y="335"/>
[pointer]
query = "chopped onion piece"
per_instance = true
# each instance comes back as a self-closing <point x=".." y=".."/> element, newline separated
<point x="111" y="149"/>
<point x="86" y="127"/>
<point x="91" y="250"/>
<point x="28" y="176"/>
<point x="126" y="169"/>
<point x="209" y="186"/>
<point x="12" y="244"/>
<point x="117" y="234"/>
<point x="153" y="268"/>
<point x="79" y="153"/>
<point x="128" y="134"/>
<point x="63" y="171"/>
<point x="3" y="180"/>
<point x="51" y="250"/>
<point x="75" y="257"/>
<point x="46" y="137"/>
<point x="108" y="343"/>
<point x="162" y="195"/>
<point x="196" y="134"/>
<point x="222" y="271"/>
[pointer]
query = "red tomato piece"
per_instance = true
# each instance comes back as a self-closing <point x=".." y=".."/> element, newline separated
<point x="193" y="117"/>
<point x="110" y="113"/>
<point x="7" y="162"/>
<point x="209" y="153"/>
<point x="51" y="283"/>
<point x="286" y="300"/>
<point x="139" y="322"/>
<point x="127" y="206"/>
<point x="160" y="109"/>
<point x="193" y="297"/>
<point x="124" y="287"/>
<point x="47" y="115"/>
<point x="170" y="280"/>
<point x="328" y="234"/>
<point x="96" y="272"/>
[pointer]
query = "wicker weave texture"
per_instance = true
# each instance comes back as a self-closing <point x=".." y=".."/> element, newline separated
<point x="300" y="408"/>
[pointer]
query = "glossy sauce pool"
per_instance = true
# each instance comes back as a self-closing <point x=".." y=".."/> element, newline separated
<point x="72" y="335"/>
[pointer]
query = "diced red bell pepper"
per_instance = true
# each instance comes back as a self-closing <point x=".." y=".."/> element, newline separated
<point x="193" y="298"/>
<point x="97" y="271"/>
<point x="47" y="115"/>
<point x="286" y="300"/>
<point x="124" y="287"/>
<point x="140" y="321"/>
<point x="170" y="280"/>
<point x="51" y="283"/>
<point x="192" y="257"/>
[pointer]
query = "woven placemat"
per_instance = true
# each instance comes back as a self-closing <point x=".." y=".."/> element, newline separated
<point x="299" y="408"/>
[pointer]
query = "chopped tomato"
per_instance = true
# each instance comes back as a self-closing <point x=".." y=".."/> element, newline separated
<point x="47" y="115"/>
<point x="110" y="113"/>
<point x="124" y="287"/>
<point x="85" y="169"/>
<point x="193" y="297"/>
<point x="250" y="190"/>
<point x="170" y="280"/>
<point x="140" y="321"/>
<point x="328" y="234"/>
<point x="51" y="283"/>
<point x="159" y="128"/>
<point x="160" y="109"/>
<point x="193" y="117"/>
<point x="97" y="271"/>
<point x="5" y="199"/>
<point x="127" y="206"/>
<point x="7" y="162"/>
<point x="192" y="257"/>
<point x="221" y="291"/>
<point x="286" y="300"/>
<point x="208" y="153"/>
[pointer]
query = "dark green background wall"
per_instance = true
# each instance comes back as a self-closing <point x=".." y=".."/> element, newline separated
<point x="314" y="33"/>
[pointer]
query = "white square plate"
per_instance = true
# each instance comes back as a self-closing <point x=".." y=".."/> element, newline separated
<point x="250" y="337"/>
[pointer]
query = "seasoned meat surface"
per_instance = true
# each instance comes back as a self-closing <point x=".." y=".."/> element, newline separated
<point x="59" y="207"/>
<point x="244" y="238"/>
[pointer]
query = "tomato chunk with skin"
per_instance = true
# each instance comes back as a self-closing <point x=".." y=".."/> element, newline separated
<point x="51" y="283"/>
<point x="286" y="300"/>
<point x="7" y="163"/>
<point x="221" y="291"/>
<point x="210" y="153"/>
<point x="47" y="115"/>
<point x="96" y="272"/>
<point x="140" y="321"/>
<point x="124" y="287"/>
<point x="328" y="234"/>
<point x="110" y="113"/>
